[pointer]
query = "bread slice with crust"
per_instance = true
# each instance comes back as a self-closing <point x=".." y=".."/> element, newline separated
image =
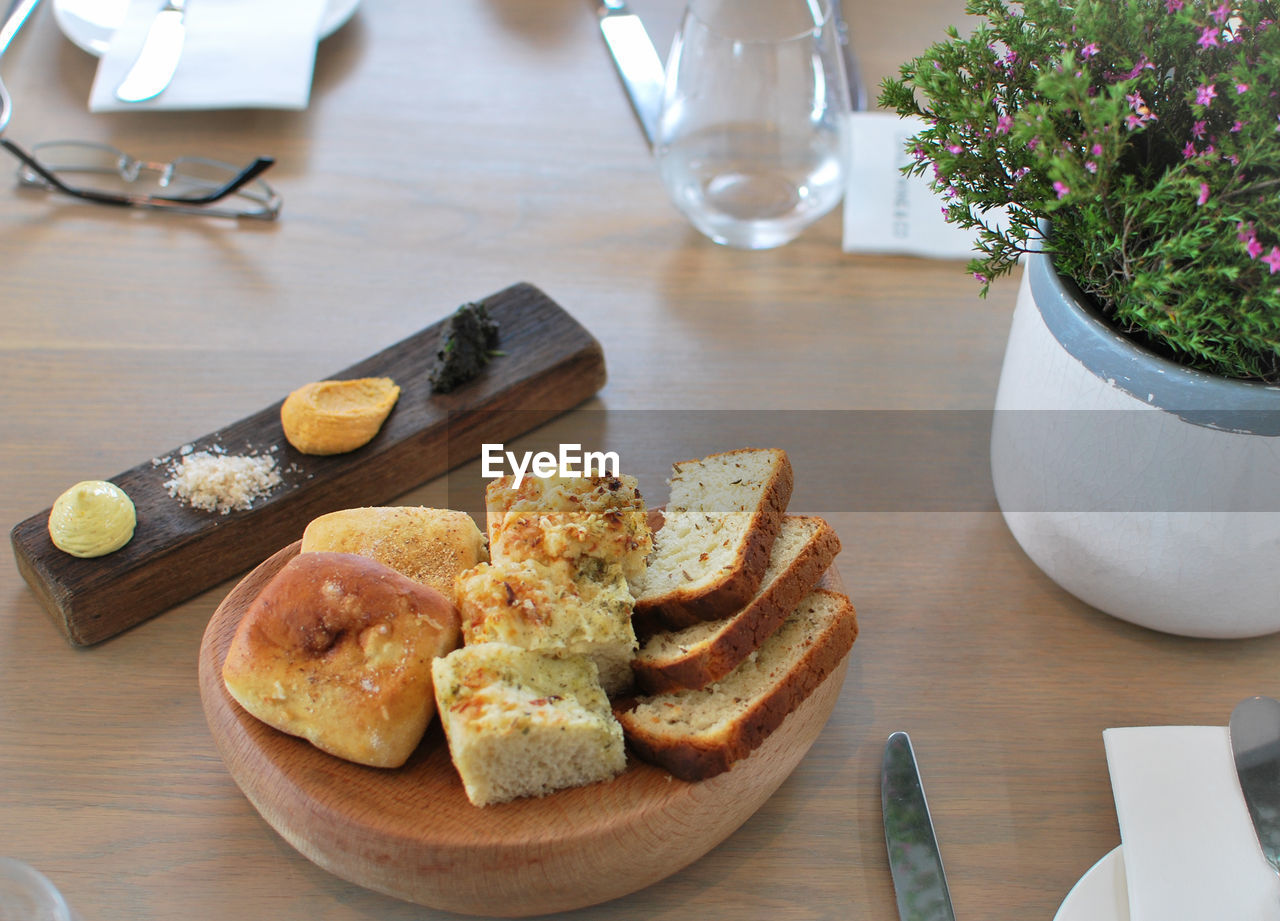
<point x="724" y="512"/>
<point x="699" y="734"/>
<point x="696" y="656"/>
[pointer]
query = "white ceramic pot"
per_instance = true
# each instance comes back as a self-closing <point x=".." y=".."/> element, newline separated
<point x="1148" y="490"/>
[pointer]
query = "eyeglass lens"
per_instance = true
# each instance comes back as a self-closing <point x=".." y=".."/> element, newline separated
<point x="105" y="169"/>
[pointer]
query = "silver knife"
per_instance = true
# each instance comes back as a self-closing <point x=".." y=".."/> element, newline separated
<point x="158" y="59"/>
<point x="1255" y="744"/>
<point x="637" y="62"/>
<point x="914" y="860"/>
<point x="14" y="17"/>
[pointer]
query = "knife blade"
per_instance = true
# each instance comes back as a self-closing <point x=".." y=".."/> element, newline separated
<point x="14" y="17"/>
<point x="637" y="63"/>
<point x="1255" y="745"/>
<point x="919" y="879"/>
<point x="151" y="73"/>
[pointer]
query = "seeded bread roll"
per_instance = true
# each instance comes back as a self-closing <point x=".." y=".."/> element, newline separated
<point x="699" y="734"/>
<point x="724" y="513"/>
<point x="549" y="519"/>
<point x="522" y="723"/>
<point x="555" y="609"/>
<point x="708" y="650"/>
<point x="337" y="649"/>
<point x="429" y="545"/>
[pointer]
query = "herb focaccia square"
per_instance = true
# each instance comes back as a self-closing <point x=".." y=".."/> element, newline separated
<point x="522" y="723"/>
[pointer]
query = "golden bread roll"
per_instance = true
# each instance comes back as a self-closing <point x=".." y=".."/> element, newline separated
<point x="337" y="649"/>
<point x="429" y="545"/>
<point x="334" y="417"/>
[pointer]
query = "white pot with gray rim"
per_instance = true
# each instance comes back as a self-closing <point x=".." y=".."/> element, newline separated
<point x="1146" y="489"/>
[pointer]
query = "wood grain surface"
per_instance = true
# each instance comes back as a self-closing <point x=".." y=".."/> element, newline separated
<point x="550" y="363"/>
<point x="448" y="150"/>
<point x="412" y="833"/>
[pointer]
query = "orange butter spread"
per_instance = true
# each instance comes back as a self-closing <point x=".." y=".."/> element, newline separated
<point x="334" y="417"/>
<point x="92" y="518"/>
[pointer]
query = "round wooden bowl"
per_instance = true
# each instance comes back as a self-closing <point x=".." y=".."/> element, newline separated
<point x="411" y="832"/>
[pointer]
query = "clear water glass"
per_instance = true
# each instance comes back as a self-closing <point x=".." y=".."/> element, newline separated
<point x="27" y="895"/>
<point x="755" y="102"/>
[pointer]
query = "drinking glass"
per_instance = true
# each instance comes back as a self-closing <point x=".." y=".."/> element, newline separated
<point x="749" y="139"/>
<point x="27" y="895"/>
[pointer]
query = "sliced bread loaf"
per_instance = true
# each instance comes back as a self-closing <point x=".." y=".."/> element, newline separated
<point x="719" y="525"/>
<point x="707" y="651"/>
<point x="699" y="734"/>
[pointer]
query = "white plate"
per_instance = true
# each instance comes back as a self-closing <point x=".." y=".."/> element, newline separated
<point x="1101" y="895"/>
<point x="91" y="23"/>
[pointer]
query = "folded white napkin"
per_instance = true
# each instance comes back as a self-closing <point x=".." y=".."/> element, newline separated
<point x="237" y="54"/>
<point x="1190" y="852"/>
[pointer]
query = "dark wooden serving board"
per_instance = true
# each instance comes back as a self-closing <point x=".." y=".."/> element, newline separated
<point x="551" y="364"/>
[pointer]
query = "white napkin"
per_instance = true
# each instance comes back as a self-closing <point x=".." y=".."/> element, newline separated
<point x="885" y="211"/>
<point x="237" y="54"/>
<point x="1190" y="852"/>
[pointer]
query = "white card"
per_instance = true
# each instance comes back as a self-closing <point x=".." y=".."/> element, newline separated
<point x="884" y="210"/>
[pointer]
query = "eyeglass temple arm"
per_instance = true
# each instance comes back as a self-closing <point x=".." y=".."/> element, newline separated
<point x="246" y="175"/>
<point x="234" y="184"/>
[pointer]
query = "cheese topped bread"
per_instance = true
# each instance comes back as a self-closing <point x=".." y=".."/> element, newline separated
<point x="718" y="528"/>
<point x="337" y="649"/>
<point x="550" y="519"/>
<point x="522" y="723"/>
<point x="553" y="608"/>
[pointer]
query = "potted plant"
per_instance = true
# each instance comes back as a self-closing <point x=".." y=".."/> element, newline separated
<point x="1130" y="151"/>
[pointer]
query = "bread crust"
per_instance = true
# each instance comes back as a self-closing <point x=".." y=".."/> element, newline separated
<point x="683" y="607"/>
<point x="337" y="649"/>
<point x="699" y="758"/>
<point x="740" y="635"/>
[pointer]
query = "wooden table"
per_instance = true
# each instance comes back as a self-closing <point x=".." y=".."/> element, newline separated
<point x="450" y="150"/>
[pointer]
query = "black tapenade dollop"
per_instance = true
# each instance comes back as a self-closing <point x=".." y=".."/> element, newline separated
<point x="468" y="339"/>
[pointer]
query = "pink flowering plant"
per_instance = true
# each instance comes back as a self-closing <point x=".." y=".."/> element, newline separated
<point x="1145" y="134"/>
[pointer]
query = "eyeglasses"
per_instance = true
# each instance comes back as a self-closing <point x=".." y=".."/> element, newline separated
<point x="190" y="185"/>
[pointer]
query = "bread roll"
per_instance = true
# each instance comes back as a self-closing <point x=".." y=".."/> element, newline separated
<point x="337" y="649"/>
<point x="429" y="545"/>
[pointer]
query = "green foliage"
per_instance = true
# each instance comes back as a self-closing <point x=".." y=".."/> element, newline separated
<point x="1146" y="133"/>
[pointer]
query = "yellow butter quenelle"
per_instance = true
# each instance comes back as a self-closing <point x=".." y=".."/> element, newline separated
<point x="334" y="417"/>
<point x="92" y="518"/>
